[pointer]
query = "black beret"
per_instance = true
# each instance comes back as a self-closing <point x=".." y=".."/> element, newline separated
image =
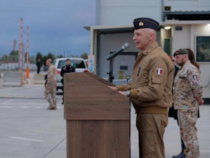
<point x="141" y="23"/>
<point x="181" y="52"/>
<point x="67" y="59"/>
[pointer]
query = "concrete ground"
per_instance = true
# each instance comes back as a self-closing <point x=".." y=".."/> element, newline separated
<point x="28" y="130"/>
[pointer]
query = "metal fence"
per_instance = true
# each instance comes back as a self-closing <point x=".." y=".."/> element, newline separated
<point x="12" y="63"/>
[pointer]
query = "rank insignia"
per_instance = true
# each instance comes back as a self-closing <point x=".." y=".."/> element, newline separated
<point x="141" y="24"/>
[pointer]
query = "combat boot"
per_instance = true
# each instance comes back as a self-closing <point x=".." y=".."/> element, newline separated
<point x="50" y="107"/>
<point x="181" y="155"/>
<point x="53" y="108"/>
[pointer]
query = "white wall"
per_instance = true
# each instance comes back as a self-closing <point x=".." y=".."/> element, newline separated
<point x="112" y="42"/>
<point x="123" y="12"/>
<point x="181" y="39"/>
<point x="188" y="5"/>
<point x="164" y="34"/>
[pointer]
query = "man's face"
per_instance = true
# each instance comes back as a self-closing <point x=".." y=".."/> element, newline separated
<point x="179" y="60"/>
<point x="141" y="38"/>
<point x="68" y="62"/>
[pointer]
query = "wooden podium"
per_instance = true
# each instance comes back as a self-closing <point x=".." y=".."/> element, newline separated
<point x="98" y="118"/>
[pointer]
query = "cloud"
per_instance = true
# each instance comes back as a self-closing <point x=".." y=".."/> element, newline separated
<point x="54" y="25"/>
<point x="78" y="40"/>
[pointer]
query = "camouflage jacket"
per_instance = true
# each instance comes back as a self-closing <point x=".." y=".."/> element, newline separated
<point x="52" y="75"/>
<point x="188" y="89"/>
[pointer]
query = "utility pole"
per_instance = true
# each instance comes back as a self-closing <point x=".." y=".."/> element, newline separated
<point x="14" y="43"/>
<point x="21" y="45"/>
<point x="27" y="68"/>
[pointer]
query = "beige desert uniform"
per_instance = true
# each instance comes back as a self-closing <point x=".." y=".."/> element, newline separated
<point x="50" y="91"/>
<point x="151" y="96"/>
<point x="188" y="92"/>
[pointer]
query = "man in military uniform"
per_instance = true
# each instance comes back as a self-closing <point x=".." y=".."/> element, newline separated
<point x="151" y="89"/>
<point x="51" y="84"/>
<point x="38" y="64"/>
<point x="188" y="92"/>
<point x="66" y="69"/>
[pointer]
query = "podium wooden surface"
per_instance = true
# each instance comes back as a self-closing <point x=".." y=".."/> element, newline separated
<point x="98" y="118"/>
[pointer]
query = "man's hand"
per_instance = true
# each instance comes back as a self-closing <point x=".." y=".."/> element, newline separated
<point x="201" y="102"/>
<point x="113" y="88"/>
<point x="122" y="92"/>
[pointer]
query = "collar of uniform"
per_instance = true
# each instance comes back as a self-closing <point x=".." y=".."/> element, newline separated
<point x="150" y="48"/>
<point x="186" y="64"/>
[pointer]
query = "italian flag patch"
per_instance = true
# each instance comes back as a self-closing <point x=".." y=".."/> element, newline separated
<point x="195" y="77"/>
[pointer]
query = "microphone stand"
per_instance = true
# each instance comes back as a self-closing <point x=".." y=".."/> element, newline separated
<point x="110" y="73"/>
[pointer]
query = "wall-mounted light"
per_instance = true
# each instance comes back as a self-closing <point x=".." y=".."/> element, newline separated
<point x="167" y="27"/>
<point x="208" y="24"/>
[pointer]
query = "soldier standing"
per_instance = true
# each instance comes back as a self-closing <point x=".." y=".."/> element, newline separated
<point x="188" y="92"/>
<point x="50" y="87"/>
<point x="151" y="89"/>
<point x="38" y="64"/>
<point x="66" y="69"/>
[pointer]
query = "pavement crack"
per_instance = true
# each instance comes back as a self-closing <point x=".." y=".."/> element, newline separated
<point x="54" y="148"/>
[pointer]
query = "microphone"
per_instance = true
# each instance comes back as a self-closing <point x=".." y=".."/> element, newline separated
<point x="124" y="47"/>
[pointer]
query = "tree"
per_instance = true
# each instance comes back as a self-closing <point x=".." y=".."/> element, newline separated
<point x="48" y="56"/>
<point x="4" y="58"/>
<point x="84" y="56"/>
<point x="14" y="53"/>
<point x="44" y="60"/>
<point x="13" y="56"/>
<point x="51" y="56"/>
<point x="32" y="59"/>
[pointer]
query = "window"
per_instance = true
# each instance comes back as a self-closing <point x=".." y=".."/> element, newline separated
<point x="75" y="63"/>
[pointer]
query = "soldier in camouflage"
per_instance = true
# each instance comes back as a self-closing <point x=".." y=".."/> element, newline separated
<point x="188" y="91"/>
<point x="51" y="84"/>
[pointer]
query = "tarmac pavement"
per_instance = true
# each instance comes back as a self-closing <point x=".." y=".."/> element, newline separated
<point x="29" y="130"/>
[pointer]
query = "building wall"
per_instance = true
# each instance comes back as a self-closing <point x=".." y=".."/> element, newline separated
<point x="112" y="42"/>
<point x="164" y="34"/>
<point x="188" y="5"/>
<point x="181" y="39"/>
<point x="123" y="12"/>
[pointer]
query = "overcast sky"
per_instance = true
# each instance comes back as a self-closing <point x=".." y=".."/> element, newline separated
<point x="55" y="25"/>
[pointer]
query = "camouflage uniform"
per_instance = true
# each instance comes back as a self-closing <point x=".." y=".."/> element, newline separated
<point x="188" y="92"/>
<point x="50" y="90"/>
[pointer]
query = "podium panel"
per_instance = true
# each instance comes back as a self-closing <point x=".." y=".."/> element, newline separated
<point x="98" y="118"/>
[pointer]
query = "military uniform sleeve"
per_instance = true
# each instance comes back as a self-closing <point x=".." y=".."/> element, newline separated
<point x="196" y="84"/>
<point x="158" y="73"/>
<point x="49" y="76"/>
<point x="124" y="87"/>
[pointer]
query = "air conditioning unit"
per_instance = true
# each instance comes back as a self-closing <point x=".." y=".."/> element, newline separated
<point x="167" y="8"/>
